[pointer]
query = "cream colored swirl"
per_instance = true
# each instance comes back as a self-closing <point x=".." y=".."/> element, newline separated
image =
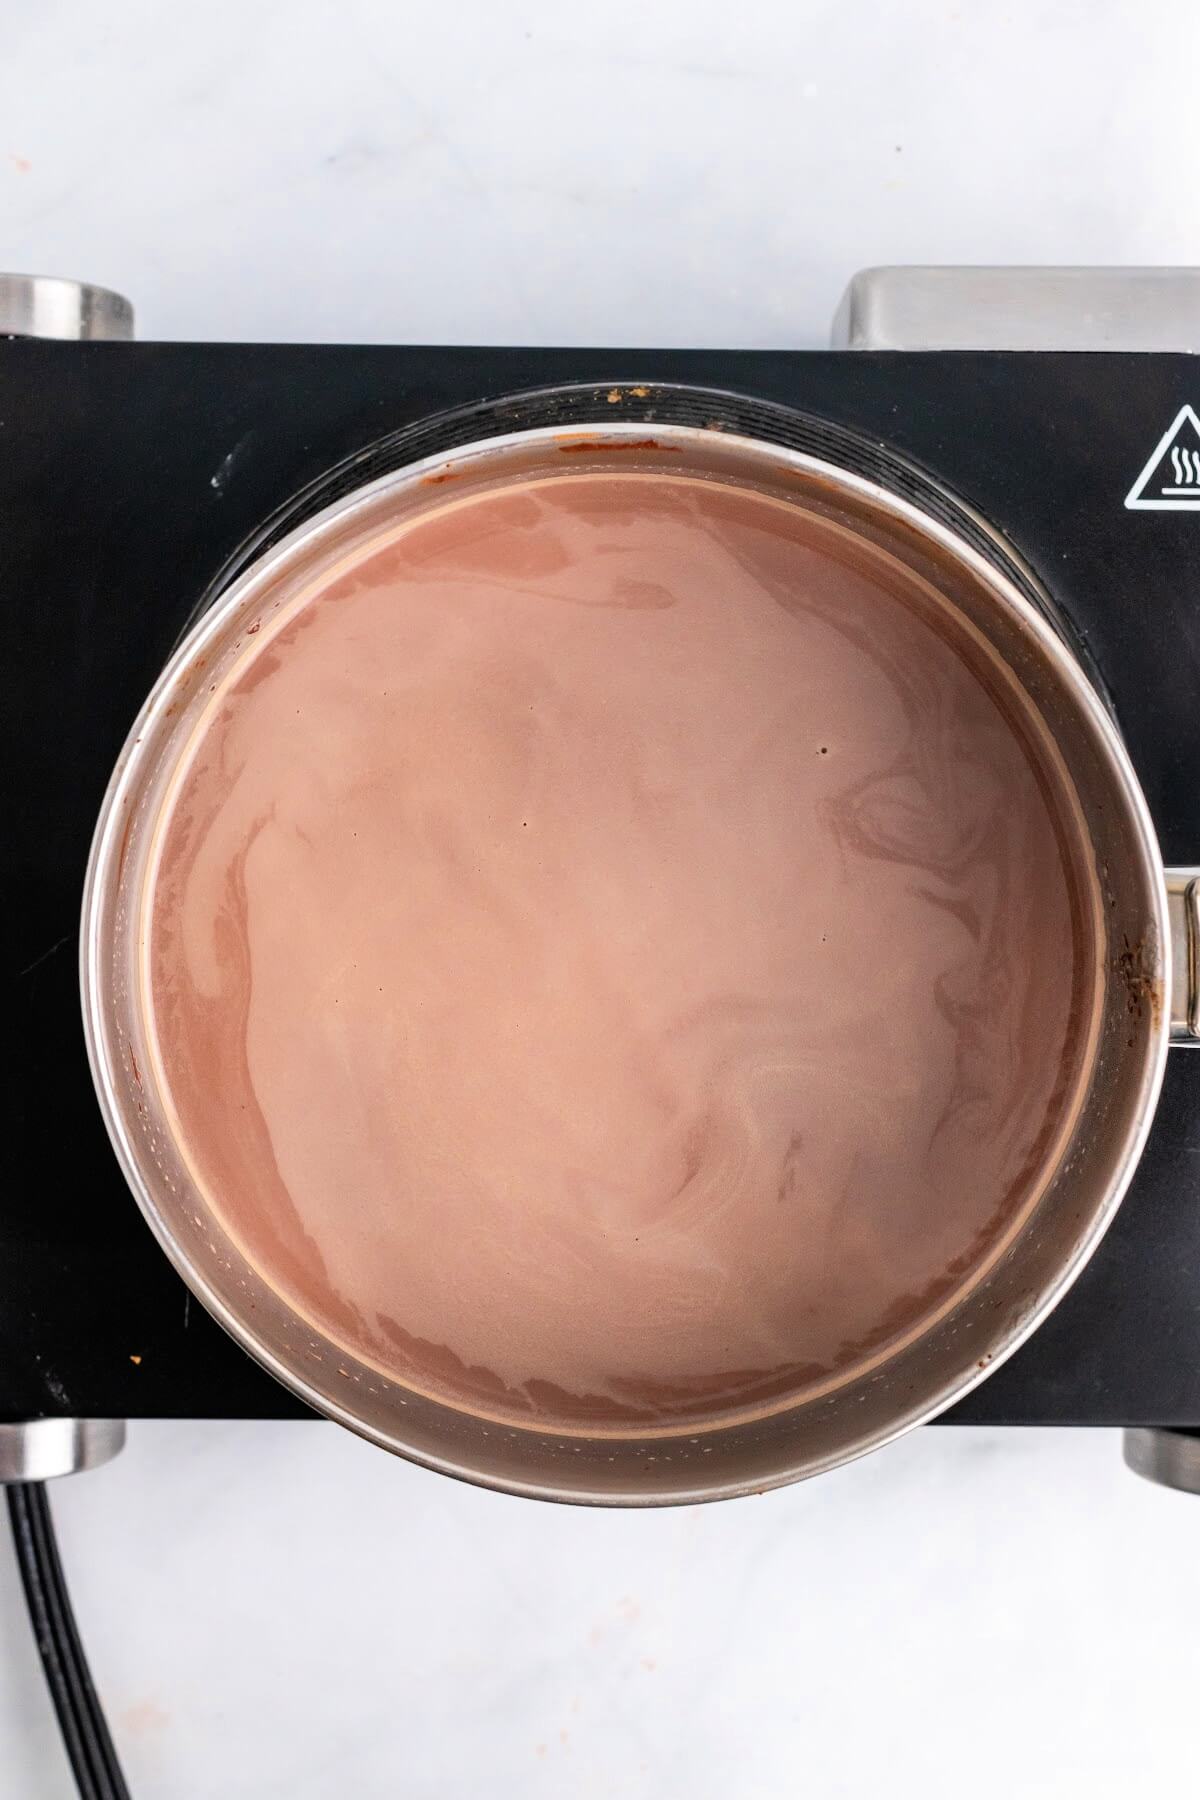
<point x="612" y="953"/>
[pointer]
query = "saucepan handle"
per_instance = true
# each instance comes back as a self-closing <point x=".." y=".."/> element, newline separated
<point x="1183" y="911"/>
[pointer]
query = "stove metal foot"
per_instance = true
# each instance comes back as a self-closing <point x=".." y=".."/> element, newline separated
<point x="42" y="1449"/>
<point x="48" y="306"/>
<point x="1171" y="1458"/>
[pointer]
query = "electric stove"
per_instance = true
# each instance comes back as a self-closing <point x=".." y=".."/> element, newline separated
<point x="136" y="477"/>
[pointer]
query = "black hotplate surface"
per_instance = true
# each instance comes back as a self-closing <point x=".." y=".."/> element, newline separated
<point x="129" y="477"/>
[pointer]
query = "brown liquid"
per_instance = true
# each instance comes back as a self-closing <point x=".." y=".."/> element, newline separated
<point x="613" y="955"/>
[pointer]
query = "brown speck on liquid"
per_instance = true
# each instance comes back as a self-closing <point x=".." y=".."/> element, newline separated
<point x="135" y="1360"/>
<point x="614" y="396"/>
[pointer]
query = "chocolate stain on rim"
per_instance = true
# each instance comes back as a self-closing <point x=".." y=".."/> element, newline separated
<point x="1136" y="968"/>
<point x="573" y="446"/>
<point x="126" y="834"/>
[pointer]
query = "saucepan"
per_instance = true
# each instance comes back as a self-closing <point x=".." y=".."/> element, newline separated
<point x="1145" y="923"/>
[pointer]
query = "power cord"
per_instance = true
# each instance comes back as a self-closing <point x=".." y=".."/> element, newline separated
<point x="80" y="1717"/>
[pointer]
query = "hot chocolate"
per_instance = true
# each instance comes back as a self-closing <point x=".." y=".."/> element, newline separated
<point x="613" y="955"/>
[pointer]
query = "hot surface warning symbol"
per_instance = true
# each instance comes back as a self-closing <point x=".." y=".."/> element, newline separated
<point x="1170" y="481"/>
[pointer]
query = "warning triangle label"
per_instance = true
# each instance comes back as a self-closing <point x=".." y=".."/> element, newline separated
<point x="1170" y="481"/>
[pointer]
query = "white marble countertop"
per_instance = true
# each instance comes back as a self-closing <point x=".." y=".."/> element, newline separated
<point x="278" y="1610"/>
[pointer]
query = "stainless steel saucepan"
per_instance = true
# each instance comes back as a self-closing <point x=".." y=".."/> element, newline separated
<point x="1147" y="933"/>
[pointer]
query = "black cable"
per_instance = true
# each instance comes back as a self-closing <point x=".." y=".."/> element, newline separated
<point x="80" y="1717"/>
